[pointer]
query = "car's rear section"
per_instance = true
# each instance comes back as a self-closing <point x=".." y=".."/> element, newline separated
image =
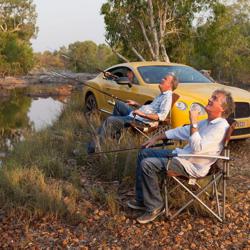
<point x="242" y="116"/>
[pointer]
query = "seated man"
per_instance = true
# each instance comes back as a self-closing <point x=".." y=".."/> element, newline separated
<point x="204" y="137"/>
<point x="123" y="113"/>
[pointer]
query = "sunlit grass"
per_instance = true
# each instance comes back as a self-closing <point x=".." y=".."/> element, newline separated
<point x="41" y="174"/>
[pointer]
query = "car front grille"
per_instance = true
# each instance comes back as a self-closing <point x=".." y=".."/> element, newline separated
<point x="242" y="110"/>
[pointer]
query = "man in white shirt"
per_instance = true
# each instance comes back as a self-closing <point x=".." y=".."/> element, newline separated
<point x="124" y="114"/>
<point x="204" y="137"/>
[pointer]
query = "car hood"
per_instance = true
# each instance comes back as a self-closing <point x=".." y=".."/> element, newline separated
<point x="201" y="92"/>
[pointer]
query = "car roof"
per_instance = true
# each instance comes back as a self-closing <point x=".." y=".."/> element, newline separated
<point x="148" y="63"/>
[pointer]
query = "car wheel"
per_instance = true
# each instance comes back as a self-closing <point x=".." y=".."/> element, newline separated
<point x="90" y="104"/>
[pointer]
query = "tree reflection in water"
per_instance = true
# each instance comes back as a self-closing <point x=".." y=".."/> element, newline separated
<point x="13" y="117"/>
<point x="20" y="114"/>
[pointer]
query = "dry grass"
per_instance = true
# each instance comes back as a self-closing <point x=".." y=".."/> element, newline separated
<point x="41" y="175"/>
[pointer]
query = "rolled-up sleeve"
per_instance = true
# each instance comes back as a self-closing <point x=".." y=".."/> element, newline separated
<point x="180" y="133"/>
<point x="165" y="106"/>
<point x="208" y="141"/>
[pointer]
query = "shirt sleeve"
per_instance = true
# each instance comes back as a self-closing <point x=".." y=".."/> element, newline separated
<point x="180" y="133"/>
<point x="165" y="106"/>
<point x="209" y="141"/>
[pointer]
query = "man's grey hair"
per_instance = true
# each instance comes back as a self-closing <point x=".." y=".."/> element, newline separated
<point x="175" y="81"/>
<point x="228" y="104"/>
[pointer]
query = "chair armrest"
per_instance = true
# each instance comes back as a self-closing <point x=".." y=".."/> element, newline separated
<point x="204" y="156"/>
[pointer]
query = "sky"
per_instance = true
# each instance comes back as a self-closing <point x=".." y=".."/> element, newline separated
<point x="62" y="22"/>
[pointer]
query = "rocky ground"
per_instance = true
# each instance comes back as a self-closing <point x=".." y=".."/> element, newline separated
<point x="103" y="229"/>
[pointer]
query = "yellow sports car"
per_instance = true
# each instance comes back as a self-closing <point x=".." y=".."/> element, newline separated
<point x="194" y="90"/>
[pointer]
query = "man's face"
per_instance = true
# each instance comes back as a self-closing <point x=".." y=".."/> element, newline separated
<point x="214" y="107"/>
<point x="166" y="83"/>
<point x="130" y="76"/>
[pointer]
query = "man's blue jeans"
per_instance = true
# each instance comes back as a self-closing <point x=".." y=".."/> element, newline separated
<point x="120" y="119"/>
<point x="113" y="125"/>
<point x="151" y="163"/>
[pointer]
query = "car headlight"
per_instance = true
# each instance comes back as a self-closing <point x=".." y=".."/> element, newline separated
<point x="181" y="105"/>
<point x="199" y="107"/>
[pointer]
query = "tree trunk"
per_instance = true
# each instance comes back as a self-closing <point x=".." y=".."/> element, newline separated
<point x="137" y="54"/>
<point x="153" y="28"/>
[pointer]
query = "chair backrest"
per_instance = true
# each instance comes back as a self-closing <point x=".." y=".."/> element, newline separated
<point x="229" y="132"/>
<point x="175" y="98"/>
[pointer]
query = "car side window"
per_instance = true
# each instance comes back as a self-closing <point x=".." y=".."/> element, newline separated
<point x="123" y="72"/>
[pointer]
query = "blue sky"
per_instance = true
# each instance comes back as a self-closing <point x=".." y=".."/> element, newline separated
<point x="62" y="22"/>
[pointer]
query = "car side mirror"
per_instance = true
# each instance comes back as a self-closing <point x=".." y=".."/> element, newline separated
<point x="124" y="81"/>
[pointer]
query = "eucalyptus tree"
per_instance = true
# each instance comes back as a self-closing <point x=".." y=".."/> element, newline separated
<point x="18" y="16"/>
<point x="223" y="42"/>
<point x="17" y="27"/>
<point x="147" y="28"/>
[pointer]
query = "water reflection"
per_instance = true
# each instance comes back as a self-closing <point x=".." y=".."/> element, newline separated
<point x="19" y="113"/>
<point x="43" y="112"/>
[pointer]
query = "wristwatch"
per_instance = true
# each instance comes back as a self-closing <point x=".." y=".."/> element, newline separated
<point x="195" y="125"/>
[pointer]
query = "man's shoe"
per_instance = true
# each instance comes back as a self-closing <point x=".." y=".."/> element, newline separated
<point x="150" y="216"/>
<point x="136" y="205"/>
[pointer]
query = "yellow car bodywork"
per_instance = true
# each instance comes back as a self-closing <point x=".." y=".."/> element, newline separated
<point x="144" y="93"/>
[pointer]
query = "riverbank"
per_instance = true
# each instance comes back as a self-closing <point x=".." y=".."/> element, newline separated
<point x="49" y="82"/>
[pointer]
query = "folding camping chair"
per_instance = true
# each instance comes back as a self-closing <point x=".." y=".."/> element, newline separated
<point x="216" y="173"/>
<point x="158" y="126"/>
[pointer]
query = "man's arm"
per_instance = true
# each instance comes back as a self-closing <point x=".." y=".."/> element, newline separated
<point x="193" y="117"/>
<point x="133" y="103"/>
<point x="153" y="140"/>
<point x="153" y="117"/>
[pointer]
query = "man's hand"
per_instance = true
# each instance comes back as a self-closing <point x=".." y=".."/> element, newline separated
<point x="193" y="116"/>
<point x="138" y="112"/>
<point x="132" y="103"/>
<point x="149" y="143"/>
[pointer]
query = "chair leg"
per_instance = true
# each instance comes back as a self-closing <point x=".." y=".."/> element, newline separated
<point x="195" y="197"/>
<point x="217" y="196"/>
<point x="166" y="196"/>
<point x="224" y="178"/>
<point x="166" y="190"/>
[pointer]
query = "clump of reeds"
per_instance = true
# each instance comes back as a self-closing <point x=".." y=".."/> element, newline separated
<point x="28" y="188"/>
<point x="41" y="174"/>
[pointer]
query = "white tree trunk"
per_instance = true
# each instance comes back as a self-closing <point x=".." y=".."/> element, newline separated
<point x="147" y="39"/>
<point x="154" y="30"/>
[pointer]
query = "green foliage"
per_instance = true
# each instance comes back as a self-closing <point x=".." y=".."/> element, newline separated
<point x="78" y="57"/>
<point x="222" y="43"/>
<point x="19" y="17"/>
<point x="88" y="57"/>
<point x="17" y="26"/>
<point x="49" y="59"/>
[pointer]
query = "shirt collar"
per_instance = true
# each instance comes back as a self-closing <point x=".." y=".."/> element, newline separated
<point x="166" y="92"/>
<point x="216" y="120"/>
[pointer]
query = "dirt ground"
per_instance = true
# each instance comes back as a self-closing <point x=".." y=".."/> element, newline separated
<point x="103" y="230"/>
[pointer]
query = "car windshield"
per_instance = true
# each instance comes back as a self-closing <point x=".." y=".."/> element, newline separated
<point x="184" y="74"/>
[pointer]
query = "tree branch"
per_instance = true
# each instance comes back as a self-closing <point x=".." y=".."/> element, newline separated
<point x="137" y="54"/>
<point x="117" y="53"/>
<point x="146" y="38"/>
